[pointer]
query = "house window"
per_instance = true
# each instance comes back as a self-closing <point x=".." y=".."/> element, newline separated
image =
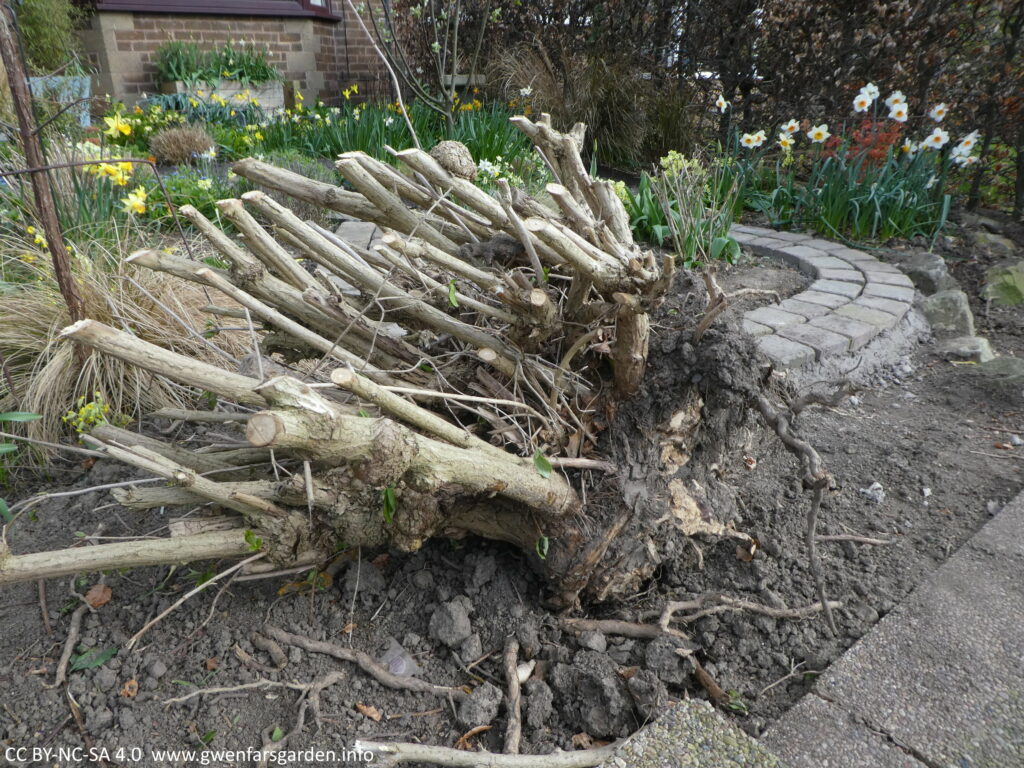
<point x="321" y="8"/>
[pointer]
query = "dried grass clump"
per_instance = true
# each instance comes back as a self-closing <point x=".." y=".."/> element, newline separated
<point x="47" y="376"/>
<point x="605" y="93"/>
<point x="180" y="144"/>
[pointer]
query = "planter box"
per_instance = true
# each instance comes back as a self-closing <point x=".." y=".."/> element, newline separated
<point x="269" y="95"/>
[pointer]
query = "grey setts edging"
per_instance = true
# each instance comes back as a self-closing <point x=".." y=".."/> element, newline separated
<point x="854" y="297"/>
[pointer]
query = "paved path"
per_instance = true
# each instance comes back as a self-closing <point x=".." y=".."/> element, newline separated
<point x="853" y="298"/>
<point x="938" y="683"/>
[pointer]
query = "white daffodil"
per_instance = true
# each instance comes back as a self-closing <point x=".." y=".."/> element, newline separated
<point x="760" y="137"/>
<point x="862" y="103"/>
<point x="899" y="112"/>
<point x="936" y="140"/>
<point x="870" y="90"/>
<point x="749" y="141"/>
<point x="819" y="133"/>
<point x="931" y="182"/>
<point x="966" y="144"/>
<point x="721" y="103"/>
<point x="909" y="148"/>
<point x="786" y="141"/>
<point x="962" y="159"/>
<point x="791" y="127"/>
<point x="937" y="112"/>
<point x="971" y="160"/>
<point x="526" y="92"/>
<point x="894" y="98"/>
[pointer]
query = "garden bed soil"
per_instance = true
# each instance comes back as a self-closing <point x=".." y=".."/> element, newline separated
<point x="926" y="430"/>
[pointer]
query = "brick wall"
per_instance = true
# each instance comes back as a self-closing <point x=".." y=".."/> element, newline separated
<point x="321" y="57"/>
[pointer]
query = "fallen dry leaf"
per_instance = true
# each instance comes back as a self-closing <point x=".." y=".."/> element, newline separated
<point x="583" y="740"/>
<point x="1003" y="446"/>
<point x="98" y="595"/>
<point x="369" y="711"/>
<point x="87" y="464"/>
<point x="349" y="628"/>
<point x="380" y="560"/>
<point x="628" y="672"/>
<point x="750" y="461"/>
<point x="130" y="689"/>
<point x="212" y="663"/>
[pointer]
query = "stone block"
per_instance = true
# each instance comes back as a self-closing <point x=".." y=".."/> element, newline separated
<point x="805" y="308"/>
<point x="895" y="292"/>
<point x="755" y="329"/>
<point x="888" y="278"/>
<point x="973" y="348"/>
<point x="928" y="272"/>
<point x="785" y="353"/>
<point x="821" y="340"/>
<point x="878" y="318"/>
<point x="859" y="333"/>
<point x="896" y="308"/>
<point x="949" y="313"/>
<point x="773" y="318"/>
<point x="830" y="300"/>
<point x="843" y="275"/>
<point x="849" y="290"/>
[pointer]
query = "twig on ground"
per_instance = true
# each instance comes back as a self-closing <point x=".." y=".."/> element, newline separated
<point x="177" y="603"/>
<point x="234" y="688"/>
<point x="855" y="539"/>
<point x="794" y="670"/>
<point x="42" y="607"/>
<point x="715" y="692"/>
<point x="617" y="627"/>
<point x="514" y="729"/>
<point x="74" y="630"/>
<point x="388" y="754"/>
<point x="278" y="656"/>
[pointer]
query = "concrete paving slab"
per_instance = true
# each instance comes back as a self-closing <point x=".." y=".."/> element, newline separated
<point x="859" y="333"/>
<point x="358" y="233"/>
<point x="817" y="734"/>
<point x="691" y="734"/>
<point x="822" y="341"/>
<point x="807" y="309"/>
<point x="943" y="674"/>
<point x="791" y="237"/>
<point x="849" y="290"/>
<point x="823" y="245"/>
<point x="785" y="353"/>
<point x="772" y="317"/>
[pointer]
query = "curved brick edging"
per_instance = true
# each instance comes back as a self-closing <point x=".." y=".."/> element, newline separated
<point x="854" y="298"/>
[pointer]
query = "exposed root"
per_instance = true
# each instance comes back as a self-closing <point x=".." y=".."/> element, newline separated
<point x="709" y="605"/>
<point x="514" y="729"/>
<point x="375" y="670"/>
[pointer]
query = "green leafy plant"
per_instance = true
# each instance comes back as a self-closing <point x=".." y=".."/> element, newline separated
<point x="49" y="31"/>
<point x="87" y="414"/>
<point x="180" y="60"/>
<point x="255" y="542"/>
<point x="7" y="449"/>
<point x="390" y="504"/>
<point x="91" y="658"/>
<point x="1005" y="286"/>
<point x="245" y="62"/>
<point x="542" y="464"/>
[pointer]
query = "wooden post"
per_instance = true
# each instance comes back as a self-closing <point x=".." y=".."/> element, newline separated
<point x="21" y="96"/>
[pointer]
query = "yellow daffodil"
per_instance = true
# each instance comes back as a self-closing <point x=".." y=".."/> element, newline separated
<point x="938" y="112"/>
<point x="786" y="141"/>
<point x="791" y="127"/>
<point x="117" y="125"/>
<point x="298" y="97"/>
<point x="125" y="167"/>
<point x="135" y="202"/>
<point x="819" y="133"/>
<point x="937" y="139"/>
<point x="899" y="112"/>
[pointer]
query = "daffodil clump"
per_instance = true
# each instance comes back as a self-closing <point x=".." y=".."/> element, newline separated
<point x="132" y="128"/>
<point x="871" y="180"/>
